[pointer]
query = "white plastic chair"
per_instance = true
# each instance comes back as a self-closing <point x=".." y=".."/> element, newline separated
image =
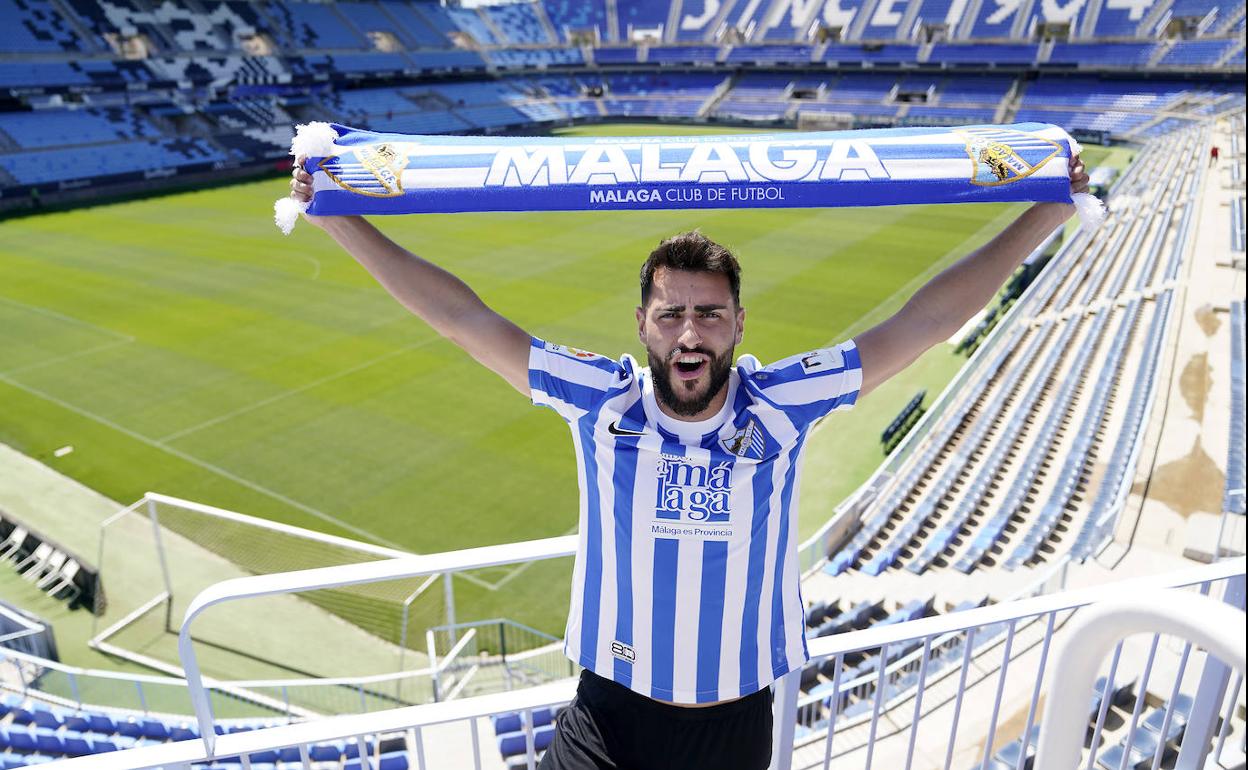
<point x="50" y="566"/>
<point x="57" y="582"/>
<point x="12" y="544"/>
<point x="35" y="560"/>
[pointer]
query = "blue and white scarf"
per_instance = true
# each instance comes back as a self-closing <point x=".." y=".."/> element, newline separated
<point x="363" y="172"/>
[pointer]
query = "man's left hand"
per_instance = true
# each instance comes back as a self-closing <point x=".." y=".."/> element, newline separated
<point x="1078" y="176"/>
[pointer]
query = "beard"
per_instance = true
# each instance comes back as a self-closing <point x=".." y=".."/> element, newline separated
<point x="678" y="396"/>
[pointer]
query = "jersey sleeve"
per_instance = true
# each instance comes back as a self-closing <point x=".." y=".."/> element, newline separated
<point x="810" y="385"/>
<point x="570" y="381"/>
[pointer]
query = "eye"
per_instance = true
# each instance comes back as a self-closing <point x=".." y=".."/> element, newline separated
<point x="711" y="314"/>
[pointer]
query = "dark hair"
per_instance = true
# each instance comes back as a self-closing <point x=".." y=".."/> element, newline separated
<point x="692" y="252"/>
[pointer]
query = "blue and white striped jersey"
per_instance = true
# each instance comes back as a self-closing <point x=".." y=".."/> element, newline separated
<point x="685" y="586"/>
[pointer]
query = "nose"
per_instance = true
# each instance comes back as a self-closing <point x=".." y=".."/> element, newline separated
<point x="689" y="337"/>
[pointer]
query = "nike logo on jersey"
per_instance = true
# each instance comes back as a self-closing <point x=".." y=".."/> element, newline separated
<point x="615" y="430"/>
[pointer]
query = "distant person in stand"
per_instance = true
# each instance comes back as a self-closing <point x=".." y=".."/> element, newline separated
<point x="1213" y="155"/>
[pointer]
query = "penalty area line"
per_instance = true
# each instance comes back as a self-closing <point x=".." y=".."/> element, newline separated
<point x="202" y="463"/>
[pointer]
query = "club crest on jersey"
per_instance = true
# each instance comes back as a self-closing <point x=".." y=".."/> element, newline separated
<point x="749" y="442"/>
<point x="1001" y="155"/>
<point x="372" y="170"/>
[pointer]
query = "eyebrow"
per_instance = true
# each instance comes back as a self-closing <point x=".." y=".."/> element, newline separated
<point x="697" y="308"/>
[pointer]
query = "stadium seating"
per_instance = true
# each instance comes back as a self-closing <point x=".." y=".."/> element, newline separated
<point x="765" y="55"/>
<point x="52" y="128"/>
<point x="569" y="16"/>
<point x="620" y="55"/>
<point x="978" y="53"/>
<point x="473" y="25"/>
<point x="642" y="15"/>
<point x="34" y="26"/>
<point x="1102" y="54"/>
<point x="36" y="732"/>
<point x="58" y="165"/>
<point x="848" y="55"/>
<point x="1233" y="494"/>
<point x="420" y="24"/>
<point x="1197" y="53"/>
<point x="683" y="54"/>
<point x="536" y="57"/>
<point x="519" y="23"/>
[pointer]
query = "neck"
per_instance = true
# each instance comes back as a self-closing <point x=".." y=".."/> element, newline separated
<point x="711" y="409"/>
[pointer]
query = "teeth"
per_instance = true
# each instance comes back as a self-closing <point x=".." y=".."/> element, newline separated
<point x="689" y="360"/>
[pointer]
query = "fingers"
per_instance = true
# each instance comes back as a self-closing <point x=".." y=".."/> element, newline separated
<point x="300" y="182"/>
<point x="1078" y="175"/>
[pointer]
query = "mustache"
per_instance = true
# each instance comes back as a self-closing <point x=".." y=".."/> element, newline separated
<point x="680" y="351"/>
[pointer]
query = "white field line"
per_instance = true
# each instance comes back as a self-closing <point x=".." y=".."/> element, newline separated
<point x="53" y="360"/>
<point x="69" y="319"/>
<point x="118" y="337"/>
<point x="301" y="389"/>
<point x="201" y="463"/>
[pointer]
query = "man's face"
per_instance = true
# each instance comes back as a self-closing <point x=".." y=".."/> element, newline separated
<point x="690" y="328"/>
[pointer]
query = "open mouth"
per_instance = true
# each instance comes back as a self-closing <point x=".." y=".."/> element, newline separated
<point x="689" y="366"/>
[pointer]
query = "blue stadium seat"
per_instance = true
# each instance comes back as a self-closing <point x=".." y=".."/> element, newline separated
<point x="472" y="25"/>
<point x="21" y="738"/>
<point x="326" y="752"/>
<point x="514" y="744"/>
<point x="519" y="22"/>
<point x="421" y="24"/>
<point x="50" y="741"/>
<point x="35" y="26"/>
<point x="101" y="723"/>
<point x="576" y="16"/>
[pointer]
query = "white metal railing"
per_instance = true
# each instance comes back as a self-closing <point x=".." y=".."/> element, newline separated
<point x="1213" y="625"/>
<point x="415" y="723"/>
<point x="346" y="575"/>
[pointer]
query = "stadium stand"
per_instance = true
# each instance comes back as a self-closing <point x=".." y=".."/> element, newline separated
<point x="520" y="23"/>
<point x="1233" y="493"/>
<point x="578" y="16"/>
<point x="319" y="51"/>
<point x="473" y="25"/>
<point x="34" y="26"/>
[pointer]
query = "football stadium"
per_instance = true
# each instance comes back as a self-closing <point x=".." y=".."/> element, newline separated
<point x="255" y="515"/>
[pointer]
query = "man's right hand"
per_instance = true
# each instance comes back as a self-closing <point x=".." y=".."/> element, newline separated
<point x="301" y="189"/>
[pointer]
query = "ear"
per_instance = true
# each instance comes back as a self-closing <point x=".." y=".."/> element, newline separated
<point x="641" y="323"/>
<point x="740" y="324"/>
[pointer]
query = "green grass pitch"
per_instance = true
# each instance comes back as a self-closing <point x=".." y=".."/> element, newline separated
<point x="182" y="345"/>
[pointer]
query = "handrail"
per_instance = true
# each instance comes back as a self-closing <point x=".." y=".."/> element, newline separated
<point x="400" y="719"/>
<point x="348" y="727"/>
<point x="876" y="636"/>
<point x="332" y="577"/>
<point x="555" y="547"/>
<point x="1211" y="624"/>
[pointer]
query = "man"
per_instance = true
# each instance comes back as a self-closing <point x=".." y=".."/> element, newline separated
<point x="685" y="593"/>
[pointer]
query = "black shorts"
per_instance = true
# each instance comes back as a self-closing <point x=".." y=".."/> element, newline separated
<point x="608" y="725"/>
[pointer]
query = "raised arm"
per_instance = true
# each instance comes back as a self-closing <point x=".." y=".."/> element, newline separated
<point x="946" y="302"/>
<point x="442" y="300"/>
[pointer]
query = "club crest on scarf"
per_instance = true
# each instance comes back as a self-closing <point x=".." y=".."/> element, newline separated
<point x="749" y="442"/>
<point x="1002" y="155"/>
<point x="372" y="170"/>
